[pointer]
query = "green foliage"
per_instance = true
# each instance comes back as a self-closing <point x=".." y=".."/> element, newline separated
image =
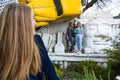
<point x="89" y="75"/>
<point x="58" y="72"/>
<point x="116" y="42"/>
<point x="71" y="67"/>
<point x="86" y="70"/>
<point x="72" y="75"/>
<point x="92" y="66"/>
<point x="114" y="56"/>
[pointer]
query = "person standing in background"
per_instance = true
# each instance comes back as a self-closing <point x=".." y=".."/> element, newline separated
<point x="79" y="36"/>
<point x="70" y="38"/>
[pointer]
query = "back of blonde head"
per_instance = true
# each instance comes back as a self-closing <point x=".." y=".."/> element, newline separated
<point x="78" y="24"/>
<point x="19" y="55"/>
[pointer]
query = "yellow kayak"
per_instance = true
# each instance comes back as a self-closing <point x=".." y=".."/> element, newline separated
<point x="46" y="11"/>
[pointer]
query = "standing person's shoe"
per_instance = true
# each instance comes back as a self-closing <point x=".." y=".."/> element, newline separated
<point x="83" y="51"/>
<point x="73" y="51"/>
<point x="78" y="52"/>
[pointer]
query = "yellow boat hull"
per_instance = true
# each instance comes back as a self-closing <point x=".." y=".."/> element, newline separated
<point x="46" y="11"/>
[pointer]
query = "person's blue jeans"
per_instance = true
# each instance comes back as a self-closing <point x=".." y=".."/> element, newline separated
<point x="78" y="38"/>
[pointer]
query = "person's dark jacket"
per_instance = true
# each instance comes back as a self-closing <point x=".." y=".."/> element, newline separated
<point x="47" y="66"/>
<point x="70" y="33"/>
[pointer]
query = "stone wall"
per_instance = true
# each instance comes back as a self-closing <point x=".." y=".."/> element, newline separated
<point x="95" y="30"/>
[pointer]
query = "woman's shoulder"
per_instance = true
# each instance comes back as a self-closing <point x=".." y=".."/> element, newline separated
<point x="40" y="44"/>
<point x="38" y="37"/>
<point x="39" y="41"/>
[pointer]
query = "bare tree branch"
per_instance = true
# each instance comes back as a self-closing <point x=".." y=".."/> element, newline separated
<point x="102" y="1"/>
<point x="90" y="4"/>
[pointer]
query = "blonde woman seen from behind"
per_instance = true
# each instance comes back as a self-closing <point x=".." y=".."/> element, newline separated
<point x="20" y="56"/>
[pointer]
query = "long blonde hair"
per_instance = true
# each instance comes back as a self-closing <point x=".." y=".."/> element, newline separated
<point x="19" y="55"/>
